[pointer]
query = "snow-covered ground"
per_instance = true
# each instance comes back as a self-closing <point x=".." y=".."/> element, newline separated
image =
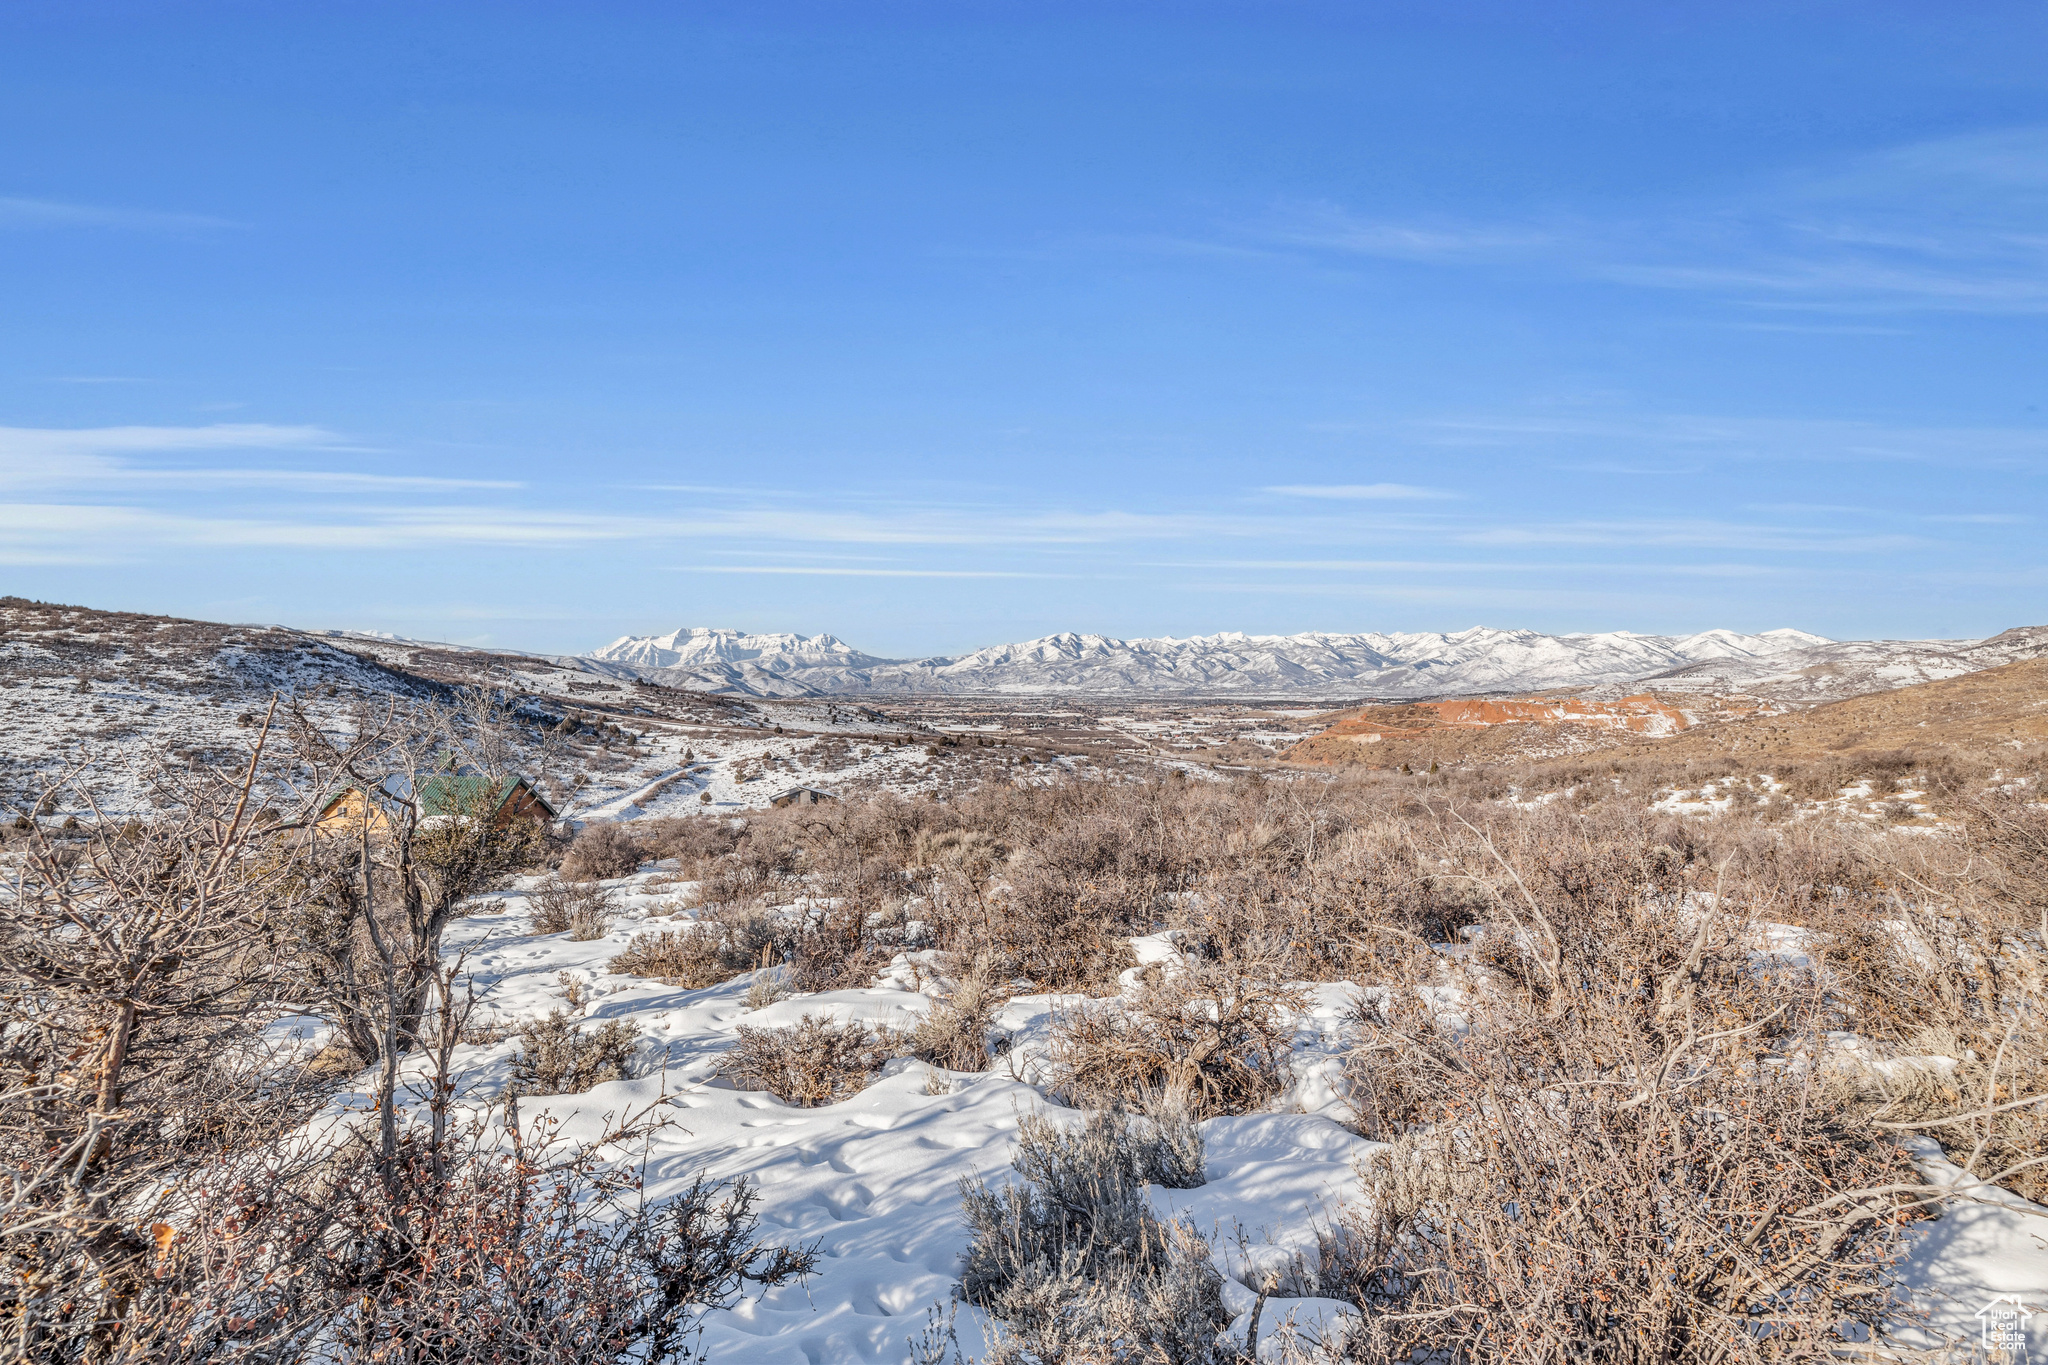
<point x="1861" y="800"/>
<point x="874" y="1180"/>
<point x="120" y="692"/>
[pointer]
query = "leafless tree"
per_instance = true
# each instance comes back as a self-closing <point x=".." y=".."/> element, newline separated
<point x="132" y="965"/>
<point x="384" y="870"/>
<point x="167" y="1201"/>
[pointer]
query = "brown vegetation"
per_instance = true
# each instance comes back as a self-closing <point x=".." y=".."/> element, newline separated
<point x="1613" y="1159"/>
<point x="600" y="851"/>
<point x="1073" y="1264"/>
<point x="814" y="1061"/>
<point x="1975" y="712"/>
<point x="557" y="1056"/>
<point x="1620" y="1033"/>
<point x="164" y="1206"/>
<point x="559" y="906"/>
<point x="1623" y="1123"/>
<point x="954" y="1034"/>
<point x="1203" y="1038"/>
<point x="715" y="948"/>
<point x="1992" y="707"/>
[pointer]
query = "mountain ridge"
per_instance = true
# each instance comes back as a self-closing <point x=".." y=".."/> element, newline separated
<point x="1310" y="664"/>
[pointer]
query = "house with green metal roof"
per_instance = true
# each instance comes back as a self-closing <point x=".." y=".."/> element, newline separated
<point x="499" y="800"/>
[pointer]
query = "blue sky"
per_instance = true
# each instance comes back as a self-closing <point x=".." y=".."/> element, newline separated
<point x="934" y="326"/>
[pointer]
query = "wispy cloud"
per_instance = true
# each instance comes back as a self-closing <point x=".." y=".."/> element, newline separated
<point x="911" y="523"/>
<point x="1348" y="565"/>
<point x="1687" y="437"/>
<point x="58" y="442"/>
<point x="118" y="459"/>
<point x="1480" y="566"/>
<point x="1356" y="492"/>
<point x="305" y="480"/>
<point x="1488" y="598"/>
<point x="1845" y="329"/>
<point x="1629" y="471"/>
<point x="829" y="571"/>
<point x="108" y="534"/>
<point x="1329" y="227"/>
<point x="1984" y="518"/>
<point x="1947" y="225"/>
<point x="1713" y="535"/>
<point x="17" y="212"/>
<point x="123" y="530"/>
<point x="141" y="494"/>
<point x="2002" y="282"/>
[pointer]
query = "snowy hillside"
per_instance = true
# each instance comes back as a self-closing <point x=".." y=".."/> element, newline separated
<point x="702" y="647"/>
<point x="874" y="1180"/>
<point x="1232" y="663"/>
<point x="1833" y="669"/>
<point x="119" y="691"/>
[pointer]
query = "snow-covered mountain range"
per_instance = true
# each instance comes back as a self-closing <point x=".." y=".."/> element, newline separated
<point x="1315" y="664"/>
<point x="699" y="647"/>
<point x="1792" y="663"/>
<point x="1845" y="668"/>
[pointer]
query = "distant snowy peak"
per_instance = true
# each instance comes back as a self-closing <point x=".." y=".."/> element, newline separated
<point x="1481" y="659"/>
<point x="704" y="647"/>
<point x="1832" y="669"/>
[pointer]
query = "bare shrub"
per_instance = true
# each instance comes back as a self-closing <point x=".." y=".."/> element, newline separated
<point x="558" y="1057"/>
<point x="716" y="948"/>
<point x="954" y="1034"/>
<point x="602" y="849"/>
<point x="1687" y="1214"/>
<point x="1400" y="1066"/>
<point x="974" y="853"/>
<point x="1072" y="1261"/>
<point x="1207" y="1038"/>
<point x="1947" y="776"/>
<point x="574" y="992"/>
<point x="812" y="1062"/>
<point x="1821" y="780"/>
<point x="1614" y="1163"/>
<point x="749" y="936"/>
<point x="548" y="906"/>
<point x="478" y="1247"/>
<point x="1955" y="966"/>
<point x="591" y="920"/>
<point x="557" y="906"/>
<point x="133" y="962"/>
<point x="766" y="989"/>
<point x="1058" y="926"/>
<point x="686" y="957"/>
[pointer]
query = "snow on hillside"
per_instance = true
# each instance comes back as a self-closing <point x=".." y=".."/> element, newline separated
<point x="700" y="647"/>
<point x="874" y="1180"/>
<point x="1315" y="664"/>
<point x="116" y="692"/>
<point x="1832" y="669"/>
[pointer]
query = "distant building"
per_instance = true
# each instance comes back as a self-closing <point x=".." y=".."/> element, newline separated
<point x="801" y="796"/>
<point x="501" y="800"/>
